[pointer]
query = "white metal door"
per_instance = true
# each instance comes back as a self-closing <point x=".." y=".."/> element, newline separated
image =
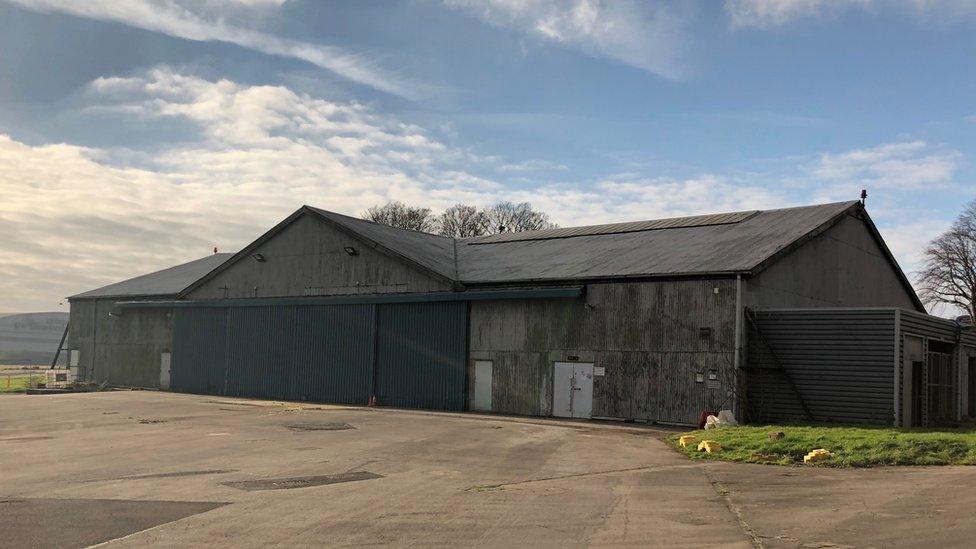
<point x="164" y="359"/>
<point x="583" y="390"/>
<point x="482" y="385"/>
<point x="562" y="389"/>
<point x="572" y="389"/>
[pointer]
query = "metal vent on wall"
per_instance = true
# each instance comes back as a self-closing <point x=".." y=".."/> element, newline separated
<point x="617" y="228"/>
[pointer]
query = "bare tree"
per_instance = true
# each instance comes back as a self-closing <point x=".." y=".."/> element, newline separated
<point x="509" y="217"/>
<point x="397" y="214"/>
<point x="461" y="220"/>
<point x="948" y="274"/>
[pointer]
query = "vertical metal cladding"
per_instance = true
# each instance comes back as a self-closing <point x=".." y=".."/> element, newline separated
<point x="841" y="363"/>
<point x="647" y="336"/>
<point x="420" y="355"/>
<point x="326" y="353"/>
<point x="304" y="353"/>
<point x="199" y="362"/>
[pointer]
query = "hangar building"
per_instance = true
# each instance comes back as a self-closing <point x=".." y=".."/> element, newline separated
<point x="796" y="313"/>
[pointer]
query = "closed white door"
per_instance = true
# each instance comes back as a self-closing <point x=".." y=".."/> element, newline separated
<point x="164" y="359"/>
<point x="562" y="389"/>
<point x="583" y="390"/>
<point x="482" y="385"/>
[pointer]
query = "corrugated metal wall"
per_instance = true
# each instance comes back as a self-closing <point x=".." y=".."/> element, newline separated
<point x="954" y="399"/>
<point x="652" y="339"/>
<point x="421" y="350"/>
<point x="306" y="353"/>
<point x="928" y="326"/>
<point x="841" y="362"/>
<point x="119" y="349"/>
<point x="199" y="360"/>
<point x="325" y="353"/>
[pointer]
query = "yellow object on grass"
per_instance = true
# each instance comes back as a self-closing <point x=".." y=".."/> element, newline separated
<point x="814" y="456"/>
<point x="686" y="440"/>
<point x="709" y="446"/>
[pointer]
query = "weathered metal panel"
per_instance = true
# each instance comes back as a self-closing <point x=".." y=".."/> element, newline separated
<point x="630" y="386"/>
<point x="307" y="353"/>
<point x="314" y="353"/>
<point x="118" y="349"/>
<point x="930" y="326"/>
<point x="199" y="360"/>
<point x="521" y="382"/>
<point x="841" y="362"/>
<point x="420" y="355"/>
<point x="81" y="322"/>
<point x="307" y="258"/>
<point x="326" y="353"/>
<point x="662" y="332"/>
<point x="842" y="267"/>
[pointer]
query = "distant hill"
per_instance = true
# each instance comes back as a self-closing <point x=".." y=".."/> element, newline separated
<point x="30" y="338"/>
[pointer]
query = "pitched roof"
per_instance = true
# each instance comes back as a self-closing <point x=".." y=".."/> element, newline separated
<point x="167" y="282"/>
<point x="717" y="244"/>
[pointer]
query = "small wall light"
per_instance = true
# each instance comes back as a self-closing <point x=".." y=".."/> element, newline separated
<point x="259" y="258"/>
<point x="350" y="250"/>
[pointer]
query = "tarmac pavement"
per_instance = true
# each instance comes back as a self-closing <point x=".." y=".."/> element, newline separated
<point x="149" y="468"/>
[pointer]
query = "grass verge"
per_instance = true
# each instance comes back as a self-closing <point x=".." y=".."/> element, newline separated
<point x="851" y="446"/>
<point x="20" y="383"/>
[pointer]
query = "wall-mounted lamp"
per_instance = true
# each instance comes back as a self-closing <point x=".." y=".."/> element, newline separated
<point x="259" y="258"/>
<point x="350" y="250"/>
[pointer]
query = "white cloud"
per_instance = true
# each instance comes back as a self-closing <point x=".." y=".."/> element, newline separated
<point x="908" y="240"/>
<point x="74" y="218"/>
<point x="906" y="165"/>
<point x="644" y="35"/>
<point x="208" y="21"/>
<point x="774" y="13"/>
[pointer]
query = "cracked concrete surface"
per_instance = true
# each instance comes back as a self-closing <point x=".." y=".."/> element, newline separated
<point x="447" y="479"/>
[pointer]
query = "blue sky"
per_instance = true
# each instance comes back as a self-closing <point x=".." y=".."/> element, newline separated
<point x="136" y="135"/>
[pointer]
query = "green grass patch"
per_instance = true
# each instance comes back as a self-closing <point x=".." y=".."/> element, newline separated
<point x="851" y="446"/>
<point x="20" y="383"/>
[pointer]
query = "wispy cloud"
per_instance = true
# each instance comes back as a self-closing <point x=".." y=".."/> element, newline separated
<point x="254" y="153"/>
<point x="775" y="13"/>
<point x="208" y="22"/>
<point x="648" y="36"/>
<point x="905" y="165"/>
<point x="257" y="154"/>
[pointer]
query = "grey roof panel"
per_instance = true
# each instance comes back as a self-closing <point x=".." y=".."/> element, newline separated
<point x="166" y="282"/>
<point x="617" y="228"/>
<point x="717" y="243"/>
<point x="704" y="249"/>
